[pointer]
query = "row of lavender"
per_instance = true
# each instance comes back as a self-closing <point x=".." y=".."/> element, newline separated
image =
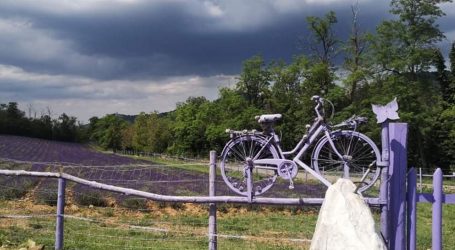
<point x="37" y="150"/>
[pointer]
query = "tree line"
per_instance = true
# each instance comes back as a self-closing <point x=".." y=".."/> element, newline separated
<point x="14" y="121"/>
<point x="401" y="59"/>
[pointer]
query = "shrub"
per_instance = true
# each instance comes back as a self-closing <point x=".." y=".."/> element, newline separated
<point x="134" y="203"/>
<point x="15" y="188"/>
<point x="13" y="193"/>
<point x="48" y="197"/>
<point x="88" y="198"/>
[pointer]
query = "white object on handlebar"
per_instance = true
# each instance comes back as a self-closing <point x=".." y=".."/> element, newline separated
<point x="268" y="118"/>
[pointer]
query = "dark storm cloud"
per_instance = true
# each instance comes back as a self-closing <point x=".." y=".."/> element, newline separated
<point x="151" y="39"/>
<point x="86" y="57"/>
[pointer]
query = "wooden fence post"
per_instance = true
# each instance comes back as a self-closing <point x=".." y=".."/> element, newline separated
<point x="212" y="206"/>
<point x="60" y="214"/>
<point x="384" y="187"/>
<point x="412" y="209"/>
<point x="397" y="188"/>
<point x="436" y="239"/>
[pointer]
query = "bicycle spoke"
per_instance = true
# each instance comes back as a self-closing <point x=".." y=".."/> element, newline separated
<point x="358" y="152"/>
<point x="233" y="165"/>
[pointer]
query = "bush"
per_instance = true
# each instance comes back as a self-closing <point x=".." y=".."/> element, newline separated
<point x="134" y="203"/>
<point x="94" y="198"/>
<point x="17" y="188"/>
<point x="13" y="193"/>
<point x="48" y="197"/>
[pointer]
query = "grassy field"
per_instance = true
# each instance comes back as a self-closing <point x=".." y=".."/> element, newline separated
<point x="162" y="227"/>
<point x="167" y="226"/>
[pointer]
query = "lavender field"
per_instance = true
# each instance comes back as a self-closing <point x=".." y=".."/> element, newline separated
<point x="82" y="161"/>
<point x="52" y="152"/>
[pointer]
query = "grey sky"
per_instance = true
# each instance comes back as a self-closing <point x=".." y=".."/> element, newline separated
<point x="92" y="57"/>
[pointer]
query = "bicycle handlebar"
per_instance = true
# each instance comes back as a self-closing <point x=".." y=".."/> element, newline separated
<point x="353" y="121"/>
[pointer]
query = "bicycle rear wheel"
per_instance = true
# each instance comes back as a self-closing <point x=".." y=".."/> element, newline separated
<point x="357" y="150"/>
<point x="233" y="164"/>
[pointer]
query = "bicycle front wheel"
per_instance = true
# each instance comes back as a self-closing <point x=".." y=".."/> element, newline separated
<point x="358" y="151"/>
<point x="233" y="164"/>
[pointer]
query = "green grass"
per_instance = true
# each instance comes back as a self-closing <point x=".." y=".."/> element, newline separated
<point x="424" y="220"/>
<point x="174" y="163"/>
<point x="264" y="229"/>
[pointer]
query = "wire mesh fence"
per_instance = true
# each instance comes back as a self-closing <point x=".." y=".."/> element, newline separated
<point x="97" y="219"/>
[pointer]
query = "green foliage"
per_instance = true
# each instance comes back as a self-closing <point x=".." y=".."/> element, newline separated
<point x="16" y="189"/>
<point x="191" y="119"/>
<point x="323" y="40"/>
<point x="135" y="203"/>
<point x="94" y="198"/>
<point x="107" y="131"/>
<point x="149" y="133"/>
<point x="406" y="45"/>
<point x="254" y="81"/>
<point x="13" y="121"/>
<point x="46" y="197"/>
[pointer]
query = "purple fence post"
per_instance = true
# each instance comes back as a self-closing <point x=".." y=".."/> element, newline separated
<point x="436" y="239"/>
<point x="384" y="188"/>
<point x="212" y="206"/>
<point x="60" y="214"/>
<point x="412" y="207"/>
<point x="384" y="114"/>
<point x="397" y="188"/>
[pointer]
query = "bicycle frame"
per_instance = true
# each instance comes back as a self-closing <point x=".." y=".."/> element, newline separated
<point x="302" y="146"/>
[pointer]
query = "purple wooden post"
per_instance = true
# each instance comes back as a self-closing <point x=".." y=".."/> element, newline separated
<point x="411" y="207"/>
<point x="60" y="214"/>
<point x="212" y="206"/>
<point x="384" y="114"/>
<point x="436" y="239"/>
<point x="397" y="173"/>
<point x="384" y="188"/>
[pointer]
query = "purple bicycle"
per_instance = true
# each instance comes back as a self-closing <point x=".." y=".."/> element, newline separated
<point x="252" y="160"/>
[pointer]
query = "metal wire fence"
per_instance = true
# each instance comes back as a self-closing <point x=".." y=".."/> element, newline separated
<point x="96" y="219"/>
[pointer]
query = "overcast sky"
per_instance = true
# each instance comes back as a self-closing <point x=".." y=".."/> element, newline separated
<point x="92" y="57"/>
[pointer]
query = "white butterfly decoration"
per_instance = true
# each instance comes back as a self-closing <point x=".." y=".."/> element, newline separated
<point x="389" y="111"/>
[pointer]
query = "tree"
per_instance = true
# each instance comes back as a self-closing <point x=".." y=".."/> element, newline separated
<point x="323" y="42"/>
<point x="404" y="52"/>
<point x="451" y="89"/>
<point x="406" y="45"/>
<point x="442" y="76"/>
<point x="323" y="45"/>
<point x="254" y="81"/>
<point x="355" y="61"/>
<point x="141" y="132"/>
<point x="189" y="128"/>
<point x="108" y="131"/>
<point x="151" y="132"/>
<point x="14" y="119"/>
<point x="65" y="128"/>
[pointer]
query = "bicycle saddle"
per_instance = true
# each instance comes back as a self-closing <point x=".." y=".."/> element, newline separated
<point x="268" y="118"/>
